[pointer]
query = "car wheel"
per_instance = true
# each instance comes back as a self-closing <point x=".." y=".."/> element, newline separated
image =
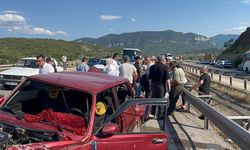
<point x="137" y="127"/>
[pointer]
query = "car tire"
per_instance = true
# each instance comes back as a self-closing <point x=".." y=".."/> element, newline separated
<point x="137" y="127"/>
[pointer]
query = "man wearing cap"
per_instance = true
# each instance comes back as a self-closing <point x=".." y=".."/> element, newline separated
<point x="177" y="83"/>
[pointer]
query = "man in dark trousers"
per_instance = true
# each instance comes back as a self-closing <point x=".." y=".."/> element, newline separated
<point x="177" y="85"/>
<point x="138" y="66"/>
<point x="203" y="84"/>
<point x="159" y="83"/>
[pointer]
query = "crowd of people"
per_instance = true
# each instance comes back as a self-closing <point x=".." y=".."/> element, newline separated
<point x="150" y="77"/>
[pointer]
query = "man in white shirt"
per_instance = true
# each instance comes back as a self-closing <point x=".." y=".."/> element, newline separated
<point x="116" y="64"/>
<point x="44" y="67"/>
<point x="128" y="70"/>
<point x="110" y="68"/>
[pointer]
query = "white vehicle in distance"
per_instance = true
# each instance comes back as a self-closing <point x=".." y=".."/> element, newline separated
<point x="24" y="67"/>
<point x="131" y="53"/>
<point x="100" y="65"/>
<point x="169" y="56"/>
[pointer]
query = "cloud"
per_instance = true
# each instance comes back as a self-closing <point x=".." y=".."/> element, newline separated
<point x="10" y="12"/>
<point x="109" y="17"/>
<point x="61" y="33"/>
<point x="9" y="18"/>
<point x="132" y="19"/>
<point x="236" y="29"/>
<point x="18" y="24"/>
<point x="247" y="2"/>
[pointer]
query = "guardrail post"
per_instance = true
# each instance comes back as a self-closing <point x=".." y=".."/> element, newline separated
<point x="219" y="77"/>
<point x="245" y="84"/>
<point x="212" y="75"/>
<point x="205" y="123"/>
<point x="231" y="80"/>
<point x="196" y="71"/>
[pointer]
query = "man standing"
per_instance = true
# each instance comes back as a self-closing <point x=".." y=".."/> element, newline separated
<point x="203" y="84"/>
<point x="128" y="70"/>
<point x="83" y="66"/>
<point x="159" y="83"/>
<point x="177" y="83"/>
<point x="116" y="64"/>
<point x="44" y="67"/>
<point x="138" y="66"/>
<point x="64" y="60"/>
<point x="149" y="63"/>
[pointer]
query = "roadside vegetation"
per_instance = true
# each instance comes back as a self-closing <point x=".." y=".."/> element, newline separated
<point x="12" y="49"/>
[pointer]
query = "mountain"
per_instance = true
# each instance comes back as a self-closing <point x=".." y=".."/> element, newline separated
<point x="12" y="49"/>
<point x="239" y="47"/>
<point x="155" y="42"/>
<point x="220" y="39"/>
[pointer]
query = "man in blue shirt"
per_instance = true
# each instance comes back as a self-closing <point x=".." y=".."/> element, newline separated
<point x="83" y="66"/>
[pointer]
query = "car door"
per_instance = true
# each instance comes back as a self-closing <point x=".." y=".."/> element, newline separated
<point x="150" y="136"/>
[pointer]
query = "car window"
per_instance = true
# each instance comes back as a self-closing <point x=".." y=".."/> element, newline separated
<point x="35" y="97"/>
<point x="105" y="107"/>
<point x="138" y="119"/>
<point x="123" y="93"/>
<point x="28" y="63"/>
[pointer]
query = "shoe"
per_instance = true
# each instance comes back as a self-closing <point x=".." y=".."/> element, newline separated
<point x="202" y="117"/>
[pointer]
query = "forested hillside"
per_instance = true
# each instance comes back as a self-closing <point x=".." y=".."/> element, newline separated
<point x="157" y="42"/>
<point x="12" y="49"/>
<point x="239" y="47"/>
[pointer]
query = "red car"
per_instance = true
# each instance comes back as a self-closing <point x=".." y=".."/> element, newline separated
<point x="78" y="111"/>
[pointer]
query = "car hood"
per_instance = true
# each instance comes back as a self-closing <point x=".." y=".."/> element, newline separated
<point x="20" y="71"/>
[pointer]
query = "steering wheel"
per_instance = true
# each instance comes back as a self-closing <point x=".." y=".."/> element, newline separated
<point x="76" y="111"/>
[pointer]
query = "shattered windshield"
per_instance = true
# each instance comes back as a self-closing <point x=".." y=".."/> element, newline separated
<point x="59" y="106"/>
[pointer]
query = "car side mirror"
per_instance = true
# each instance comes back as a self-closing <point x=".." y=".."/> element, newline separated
<point x="110" y="128"/>
<point x="1" y="99"/>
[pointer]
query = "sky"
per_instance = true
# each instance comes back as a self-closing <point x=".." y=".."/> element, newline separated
<point x="73" y="19"/>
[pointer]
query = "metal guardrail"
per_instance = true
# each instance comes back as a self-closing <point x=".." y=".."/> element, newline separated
<point x="4" y="67"/>
<point x="236" y="133"/>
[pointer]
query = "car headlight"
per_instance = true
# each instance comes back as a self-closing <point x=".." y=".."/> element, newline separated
<point x="1" y="76"/>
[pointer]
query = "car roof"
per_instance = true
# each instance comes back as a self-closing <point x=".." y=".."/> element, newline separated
<point x="32" y="58"/>
<point x="132" y="49"/>
<point x="90" y="82"/>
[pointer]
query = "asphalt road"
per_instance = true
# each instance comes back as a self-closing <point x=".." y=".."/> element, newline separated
<point x="232" y="70"/>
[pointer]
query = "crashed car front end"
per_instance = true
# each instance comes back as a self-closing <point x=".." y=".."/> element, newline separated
<point x="43" y="116"/>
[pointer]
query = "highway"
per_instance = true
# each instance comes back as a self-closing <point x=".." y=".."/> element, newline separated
<point x="237" y="76"/>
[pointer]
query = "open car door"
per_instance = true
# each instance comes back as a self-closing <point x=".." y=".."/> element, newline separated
<point x="131" y="128"/>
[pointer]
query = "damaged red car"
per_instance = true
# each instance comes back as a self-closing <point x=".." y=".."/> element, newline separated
<point x="79" y="111"/>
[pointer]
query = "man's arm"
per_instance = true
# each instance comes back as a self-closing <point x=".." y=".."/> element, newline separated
<point x="168" y="85"/>
<point x="135" y="74"/>
<point x="198" y="84"/>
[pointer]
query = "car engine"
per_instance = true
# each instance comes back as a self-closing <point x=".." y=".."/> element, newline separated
<point x="16" y="135"/>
